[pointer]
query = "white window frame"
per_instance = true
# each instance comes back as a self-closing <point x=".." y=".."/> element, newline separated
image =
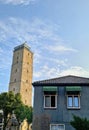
<point x="50" y="104"/>
<point x="57" y="125"/>
<point x="73" y="95"/>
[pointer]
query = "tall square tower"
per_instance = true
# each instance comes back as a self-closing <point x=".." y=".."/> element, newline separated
<point x="21" y="73"/>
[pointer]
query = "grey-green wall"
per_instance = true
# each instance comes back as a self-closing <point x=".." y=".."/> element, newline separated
<point x="42" y="118"/>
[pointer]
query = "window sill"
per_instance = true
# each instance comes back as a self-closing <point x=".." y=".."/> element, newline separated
<point x="73" y="108"/>
<point x="52" y="108"/>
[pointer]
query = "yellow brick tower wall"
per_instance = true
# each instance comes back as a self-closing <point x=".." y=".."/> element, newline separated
<point x="21" y="73"/>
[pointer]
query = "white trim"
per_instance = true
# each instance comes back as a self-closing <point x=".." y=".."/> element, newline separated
<point x="57" y="125"/>
<point x="50" y="104"/>
<point x="73" y="95"/>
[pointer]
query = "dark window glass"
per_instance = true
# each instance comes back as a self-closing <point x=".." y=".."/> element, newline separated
<point x="15" y="80"/>
<point x="52" y="101"/>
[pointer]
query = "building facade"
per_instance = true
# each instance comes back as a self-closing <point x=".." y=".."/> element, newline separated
<point x="21" y="73"/>
<point x="56" y="100"/>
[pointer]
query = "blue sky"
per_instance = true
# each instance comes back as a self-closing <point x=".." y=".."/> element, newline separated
<point x="56" y="30"/>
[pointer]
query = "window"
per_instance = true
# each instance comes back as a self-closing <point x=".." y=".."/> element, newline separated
<point x="13" y="89"/>
<point x="27" y="71"/>
<point x="14" y="80"/>
<point x="26" y="81"/>
<point x="50" y="101"/>
<point x="73" y="101"/>
<point x="17" y="57"/>
<point x="25" y="101"/>
<point x="57" y="127"/>
<point x="15" y="70"/>
<point x="50" y="96"/>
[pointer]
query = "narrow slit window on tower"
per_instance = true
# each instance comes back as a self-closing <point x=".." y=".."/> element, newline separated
<point x="15" y="80"/>
<point x="13" y="89"/>
<point x="17" y="57"/>
<point x="25" y="101"/>
<point x="26" y="81"/>
<point x="15" y="70"/>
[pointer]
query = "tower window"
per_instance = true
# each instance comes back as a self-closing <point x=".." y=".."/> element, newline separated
<point x="17" y="57"/>
<point x="25" y="101"/>
<point x="26" y="81"/>
<point x="13" y="89"/>
<point x="15" y="70"/>
<point x="15" y="80"/>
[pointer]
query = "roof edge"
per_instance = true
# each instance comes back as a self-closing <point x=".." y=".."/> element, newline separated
<point x="40" y="82"/>
<point x="60" y="84"/>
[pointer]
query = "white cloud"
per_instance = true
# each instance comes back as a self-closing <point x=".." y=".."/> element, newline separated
<point x="36" y="32"/>
<point x="17" y="2"/>
<point x="56" y="61"/>
<point x="26" y="30"/>
<point x="37" y="57"/>
<point x="42" y="37"/>
<point x="37" y="75"/>
<point x="45" y="72"/>
<point x="60" y="48"/>
<point x="1" y="50"/>
<point x="75" y="70"/>
<point x="5" y="60"/>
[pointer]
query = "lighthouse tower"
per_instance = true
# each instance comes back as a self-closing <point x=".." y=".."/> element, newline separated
<point x="21" y="73"/>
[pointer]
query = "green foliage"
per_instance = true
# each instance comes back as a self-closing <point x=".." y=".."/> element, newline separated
<point x="80" y="123"/>
<point x="10" y="102"/>
<point x="24" y="112"/>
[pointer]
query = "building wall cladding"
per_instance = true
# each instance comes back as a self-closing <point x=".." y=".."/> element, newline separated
<point x="60" y="115"/>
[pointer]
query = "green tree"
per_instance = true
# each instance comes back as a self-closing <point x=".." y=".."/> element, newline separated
<point x="9" y="102"/>
<point x="80" y="123"/>
<point x="24" y="112"/>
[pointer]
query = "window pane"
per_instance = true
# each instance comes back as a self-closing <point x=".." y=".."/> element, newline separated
<point x="53" y="127"/>
<point x="57" y="127"/>
<point x="76" y="101"/>
<point x="47" y="101"/>
<point x="61" y="127"/>
<point x="70" y="101"/>
<point x="52" y="101"/>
